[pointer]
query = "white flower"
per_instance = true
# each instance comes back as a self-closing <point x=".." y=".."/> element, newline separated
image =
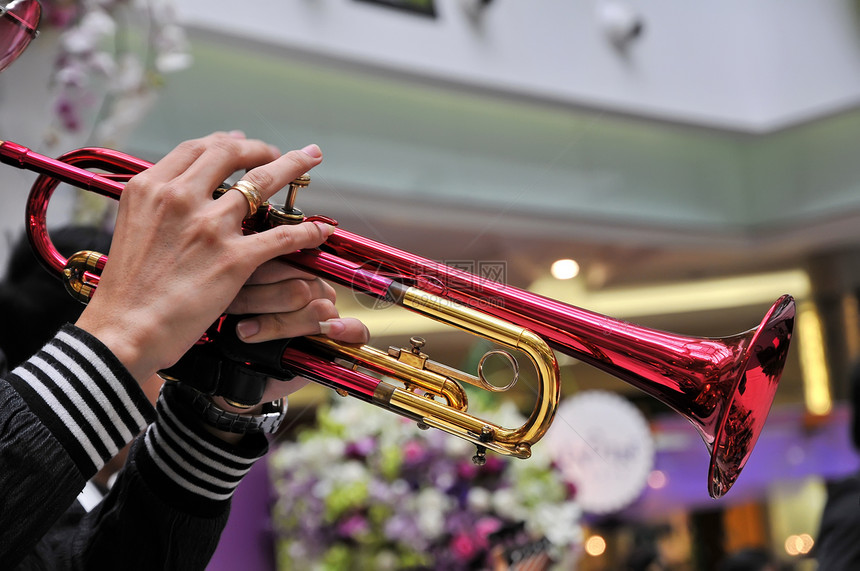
<point x="351" y="471"/>
<point x="73" y="75"/>
<point x="541" y="458"/>
<point x="455" y="447"/>
<point x="479" y="499"/>
<point x="431" y="506"/>
<point x="297" y="551"/>
<point x="97" y="23"/>
<point x="102" y="62"/>
<point x="431" y="524"/>
<point x="507" y="503"/>
<point x="507" y="414"/>
<point x="399" y="487"/>
<point x="558" y="523"/>
<point x="386" y="560"/>
<point x="173" y="61"/>
<point x="130" y="76"/>
<point x="77" y="41"/>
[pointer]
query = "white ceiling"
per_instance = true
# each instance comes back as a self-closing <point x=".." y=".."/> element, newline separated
<point x="751" y="67"/>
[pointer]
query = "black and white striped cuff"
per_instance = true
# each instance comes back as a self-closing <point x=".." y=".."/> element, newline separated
<point x="85" y="397"/>
<point x="199" y="466"/>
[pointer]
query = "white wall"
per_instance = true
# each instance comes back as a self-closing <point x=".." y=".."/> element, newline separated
<point x="752" y="66"/>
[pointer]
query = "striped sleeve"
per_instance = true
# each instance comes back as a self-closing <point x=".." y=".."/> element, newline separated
<point x="196" y="470"/>
<point x="85" y="397"/>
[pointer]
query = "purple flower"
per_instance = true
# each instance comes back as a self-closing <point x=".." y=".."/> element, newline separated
<point x="360" y="449"/>
<point x="464" y="546"/>
<point x="404" y="529"/>
<point x="68" y="114"/>
<point x="486" y="526"/>
<point x="494" y="464"/>
<point x="59" y="14"/>
<point x="413" y="452"/>
<point x="467" y="470"/>
<point x="353" y="526"/>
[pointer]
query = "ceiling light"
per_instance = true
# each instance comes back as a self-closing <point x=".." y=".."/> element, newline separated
<point x="564" y="269"/>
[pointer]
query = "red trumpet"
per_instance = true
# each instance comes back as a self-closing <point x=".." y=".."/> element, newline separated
<point x="723" y="386"/>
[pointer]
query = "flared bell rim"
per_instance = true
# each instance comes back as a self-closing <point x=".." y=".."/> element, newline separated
<point x="751" y="396"/>
<point x="19" y="24"/>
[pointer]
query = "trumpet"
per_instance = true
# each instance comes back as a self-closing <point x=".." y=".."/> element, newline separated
<point x="723" y="386"/>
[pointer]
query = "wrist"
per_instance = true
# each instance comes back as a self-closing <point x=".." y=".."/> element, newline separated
<point x="121" y="341"/>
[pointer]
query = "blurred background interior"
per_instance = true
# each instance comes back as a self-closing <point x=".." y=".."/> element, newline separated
<point x="690" y="161"/>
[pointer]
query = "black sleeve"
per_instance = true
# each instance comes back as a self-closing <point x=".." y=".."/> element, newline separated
<point x="63" y="414"/>
<point x="169" y="505"/>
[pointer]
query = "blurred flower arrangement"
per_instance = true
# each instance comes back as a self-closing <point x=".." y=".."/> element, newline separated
<point x="111" y="59"/>
<point x="365" y="489"/>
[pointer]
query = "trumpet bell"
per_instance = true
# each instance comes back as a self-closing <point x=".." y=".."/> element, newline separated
<point x="19" y="24"/>
<point x="732" y="431"/>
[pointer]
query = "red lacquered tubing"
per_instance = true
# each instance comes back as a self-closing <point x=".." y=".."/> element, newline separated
<point x="326" y="372"/>
<point x="71" y="169"/>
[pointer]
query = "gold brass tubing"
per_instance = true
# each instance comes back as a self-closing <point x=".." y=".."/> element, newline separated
<point x="383" y="363"/>
<point x="458" y="423"/>
<point x="437" y="415"/>
<point x="76" y="265"/>
<point x="453" y="418"/>
<point x="504" y="333"/>
<point x="452" y="373"/>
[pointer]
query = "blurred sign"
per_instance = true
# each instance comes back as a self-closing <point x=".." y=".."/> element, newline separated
<point x="603" y="445"/>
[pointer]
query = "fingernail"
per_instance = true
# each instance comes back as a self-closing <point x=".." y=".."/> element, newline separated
<point x="275" y="150"/>
<point x="331" y="327"/>
<point x="237" y="134"/>
<point x="312" y="151"/>
<point x="327" y="229"/>
<point x="247" y="328"/>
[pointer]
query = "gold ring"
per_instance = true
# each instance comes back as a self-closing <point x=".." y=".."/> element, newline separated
<point x="251" y="194"/>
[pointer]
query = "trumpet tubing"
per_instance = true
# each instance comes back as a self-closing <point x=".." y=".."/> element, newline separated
<point x="723" y="386"/>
